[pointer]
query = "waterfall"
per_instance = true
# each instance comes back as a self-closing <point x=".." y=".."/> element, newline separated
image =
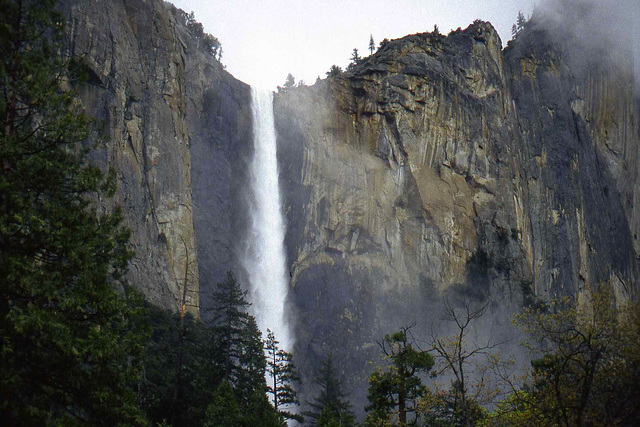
<point x="265" y="260"/>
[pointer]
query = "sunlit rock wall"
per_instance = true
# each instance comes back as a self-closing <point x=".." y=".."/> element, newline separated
<point x="445" y="167"/>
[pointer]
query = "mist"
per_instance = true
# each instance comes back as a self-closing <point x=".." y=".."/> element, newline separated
<point x="606" y="29"/>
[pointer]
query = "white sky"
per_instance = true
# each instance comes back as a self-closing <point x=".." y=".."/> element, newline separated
<point x="264" y="40"/>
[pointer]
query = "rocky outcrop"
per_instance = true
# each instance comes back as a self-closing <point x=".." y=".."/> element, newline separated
<point x="172" y="118"/>
<point x="444" y="166"/>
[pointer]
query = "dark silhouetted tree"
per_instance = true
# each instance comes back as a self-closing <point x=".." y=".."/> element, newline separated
<point x="355" y="57"/>
<point x="289" y="83"/>
<point x="282" y="375"/>
<point x="334" y="71"/>
<point x="372" y="44"/>
<point x="331" y="406"/>
<point x="521" y="21"/>
<point x="71" y="339"/>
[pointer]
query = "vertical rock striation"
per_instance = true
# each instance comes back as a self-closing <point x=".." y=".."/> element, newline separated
<point x="444" y="166"/>
<point x="173" y="118"/>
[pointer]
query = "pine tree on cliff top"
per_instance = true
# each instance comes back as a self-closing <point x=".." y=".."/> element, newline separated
<point x="69" y="340"/>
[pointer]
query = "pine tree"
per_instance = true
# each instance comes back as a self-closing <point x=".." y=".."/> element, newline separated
<point x="229" y="326"/>
<point x="334" y="71"/>
<point x="372" y="44"/>
<point x="289" y="83"/>
<point x="71" y="340"/>
<point x="397" y="385"/>
<point x="355" y="57"/>
<point x="521" y="21"/>
<point x="331" y="406"/>
<point x="252" y="362"/>
<point x="282" y="375"/>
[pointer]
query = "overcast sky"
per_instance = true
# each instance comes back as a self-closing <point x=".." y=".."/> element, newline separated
<point x="264" y="40"/>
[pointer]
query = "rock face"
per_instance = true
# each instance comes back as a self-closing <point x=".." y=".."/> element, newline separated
<point x="173" y="117"/>
<point x="444" y="166"/>
<point x="439" y="167"/>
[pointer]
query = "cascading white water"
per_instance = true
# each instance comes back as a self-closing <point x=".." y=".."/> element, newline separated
<point x="265" y="256"/>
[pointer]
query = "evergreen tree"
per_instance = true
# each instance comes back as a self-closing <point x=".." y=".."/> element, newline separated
<point x="372" y="44"/>
<point x="397" y="385"/>
<point x="71" y="340"/>
<point x="355" y="57"/>
<point x="229" y="327"/>
<point x="224" y="410"/>
<point x="236" y="340"/>
<point x="252" y="361"/>
<point x="289" y="83"/>
<point x="334" y="71"/>
<point x="521" y="20"/>
<point x="331" y="406"/>
<point x="282" y="375"/>
<point x="199" y="378"/>
<point x="436" y="29"/>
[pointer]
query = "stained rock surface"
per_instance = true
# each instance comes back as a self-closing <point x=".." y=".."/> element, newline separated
<point x="447" y="166"/>
<point x="173" y="120"/>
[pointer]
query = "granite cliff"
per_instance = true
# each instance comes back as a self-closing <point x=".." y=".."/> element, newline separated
<point x="174" y="120"/>
<point x="448" y="167"/>
<point x="439" y="167"/>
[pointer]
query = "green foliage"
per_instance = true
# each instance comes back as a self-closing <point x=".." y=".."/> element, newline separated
<point x="372" y="44"/>
<point x="590" y="370"/>
<point x="224" y="410"/>
<point x="398" y="384"/>
<point x="199" y="377"/>
<point x="223" y="364"/>
<point x="330" y="407"/>
<point x="445" y="408"/>
<point x="71" y="336"/>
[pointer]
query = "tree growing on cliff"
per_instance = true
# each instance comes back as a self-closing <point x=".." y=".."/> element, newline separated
<point x="334" y="71"/>
<point x="521" y="21"/>
<point x="355" y="57"/>
<point x="289" y="83"/>
<point x="372" y="44"/>
<point x="398" y="384"/>
<point x="70" y="335"/>
<point x="282" y="375"/>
